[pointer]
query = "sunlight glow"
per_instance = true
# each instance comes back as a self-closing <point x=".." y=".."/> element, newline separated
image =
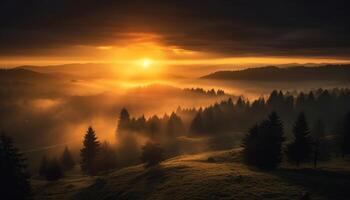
<point x="146" y="63"/>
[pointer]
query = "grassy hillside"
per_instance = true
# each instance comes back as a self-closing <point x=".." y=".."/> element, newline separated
<point x="212" y="175"/>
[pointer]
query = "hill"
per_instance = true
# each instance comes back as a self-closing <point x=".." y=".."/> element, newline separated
<point x="87" y="70"/>
<point x="296" y="73"/>
<point x="19" y="74"/>
<point x="211" y="175"/>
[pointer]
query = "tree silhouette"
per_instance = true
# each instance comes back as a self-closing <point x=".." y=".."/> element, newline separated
<point x="89" y="153"/>
<point x="154" y="126"/>
<point x="175" y="126"/>
<point x="197" y="125"/>
<point x="13" y="176"/>
<point x="250" y="145"/>
<point x="262" y="146"/>
<point x="152" y="154"/>
<point x="299" y="149"/>
<point x="274" y="136"/>
<point x="124" y="121"/>
<point x="319" y="141"/>
<point x="67" y="160"/>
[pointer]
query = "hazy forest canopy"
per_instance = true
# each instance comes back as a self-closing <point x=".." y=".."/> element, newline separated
<point x="92" y="125"/>
<point x="68" y="104"/>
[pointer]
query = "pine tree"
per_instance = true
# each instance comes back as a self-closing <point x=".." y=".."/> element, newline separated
<point x="197" y="125"/>
<point x="124" y="121"/>
<point x="154" y="126"/>
<point x="273" y="146"/>
<point x="89" y="153"/>
<point x="299" y="149"/>
<point x="175" y="126"/>
<point x="250" y="145"/>
<point x="67" y="160"/>
<point x="14" y="178"/>
<point x="262" y="146"/>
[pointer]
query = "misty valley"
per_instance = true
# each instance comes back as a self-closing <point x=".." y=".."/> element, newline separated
<point x="89" y="137"/>
<point x="174" y="100"/>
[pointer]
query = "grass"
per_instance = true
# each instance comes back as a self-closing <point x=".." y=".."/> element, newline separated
<point x="210" y="175"/>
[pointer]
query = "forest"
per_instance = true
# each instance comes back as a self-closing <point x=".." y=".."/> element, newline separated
<point x="292" y="127"/>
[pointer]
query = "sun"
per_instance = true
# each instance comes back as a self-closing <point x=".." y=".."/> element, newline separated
<point x="146" y="63"/>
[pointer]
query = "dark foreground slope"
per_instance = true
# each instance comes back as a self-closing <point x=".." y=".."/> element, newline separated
<point x="297" y="73"/>
<point x="222" y="176"/>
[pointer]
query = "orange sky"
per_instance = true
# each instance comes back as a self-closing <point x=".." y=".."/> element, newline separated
<point x="141" y="46"/>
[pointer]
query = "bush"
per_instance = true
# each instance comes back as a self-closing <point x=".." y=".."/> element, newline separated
<point x="152" y="154"/>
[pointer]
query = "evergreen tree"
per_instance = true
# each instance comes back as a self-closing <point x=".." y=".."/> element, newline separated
<point x="320" y="145"/>
<point x="124" y="121"/>
<point x="154" y="126"/>
<point x="250" y="145"/>
<point x="13" y="176"/>
<point x="344" y="138"/>
<point x="262" y="146"/>
<point x="67" y="160"/>
<point x="197" y="125"/>
<point x="43" y="166"/>
<point x="299" y="149"/>
<point x="274" y="139"/>
<point x="175" y="126"/>
<point x="89" y="153"/>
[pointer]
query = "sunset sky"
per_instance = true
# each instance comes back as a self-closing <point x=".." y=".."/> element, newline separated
<point x="42" y="32"/>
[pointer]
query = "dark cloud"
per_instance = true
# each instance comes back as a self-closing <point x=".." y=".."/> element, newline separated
<point x="235" y="28"/>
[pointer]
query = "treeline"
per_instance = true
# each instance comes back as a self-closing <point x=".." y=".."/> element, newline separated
<point x="321" y="125"/>
<point x="201" y="91"/>
<point x="226" y="116"/>
<point x="153" y="127"/>
<point x="265" y="144"/>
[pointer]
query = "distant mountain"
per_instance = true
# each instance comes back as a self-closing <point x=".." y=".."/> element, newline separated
<point x="85" y="70"/>
<point x="296" y="73"/>
<point x="18" y="74"/>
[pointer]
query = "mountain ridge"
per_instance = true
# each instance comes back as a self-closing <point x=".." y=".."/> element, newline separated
<point x="294" y="73"/>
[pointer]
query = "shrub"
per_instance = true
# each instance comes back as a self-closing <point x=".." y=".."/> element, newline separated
<point x="152" y="154"/>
